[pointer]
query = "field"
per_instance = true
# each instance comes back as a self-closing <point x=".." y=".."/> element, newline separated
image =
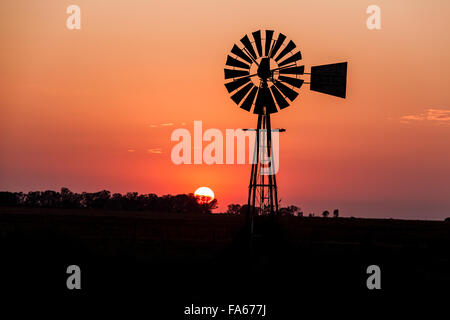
<point x="173" y="260"/>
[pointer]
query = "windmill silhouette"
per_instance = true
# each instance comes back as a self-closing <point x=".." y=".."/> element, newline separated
<point x="265" y="76"/>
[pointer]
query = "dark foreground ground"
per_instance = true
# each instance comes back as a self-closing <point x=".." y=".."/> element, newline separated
<point x="165" y="262"/>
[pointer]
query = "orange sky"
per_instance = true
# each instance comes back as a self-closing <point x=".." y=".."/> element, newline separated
<point x="74" y="103"/>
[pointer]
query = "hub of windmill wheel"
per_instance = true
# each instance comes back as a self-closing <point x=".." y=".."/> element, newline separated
<point x="263" y="71"/>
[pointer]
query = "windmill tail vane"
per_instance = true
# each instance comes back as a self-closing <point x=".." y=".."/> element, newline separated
<point x="263" y="75"/>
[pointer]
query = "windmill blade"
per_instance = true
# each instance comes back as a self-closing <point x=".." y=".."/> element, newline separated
<point x="288" y="92"/>
<point x="241" y="54"/>
<point x="232" y="62"/>
<point x="292" y="81"/>
<point x="290" y="46"/>
<point x="269" y="35"/>
<point x="330" y="79"/>
<point x="257" y="37"/>
<point x="291" y="59"/>
<point x="277" y="44"/>
<point x="248" y="45"/>
<point x="264" y="99"/>
<point x="240" y="94"/>
<point x="292" y="70"/>
<point x="231" y="86"/>
<point x="281" y="101"/>
<point x="248" y="102"/>
<point x="232" y="73"/>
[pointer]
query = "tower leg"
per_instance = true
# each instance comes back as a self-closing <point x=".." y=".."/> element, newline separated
<point x="250" y="190"/>
<point x="272" y="178"/>
<point x="251" y="207"/>
<point x="263" y="142"/>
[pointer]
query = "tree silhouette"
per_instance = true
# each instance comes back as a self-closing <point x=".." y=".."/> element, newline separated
<point x="132" y="201"/>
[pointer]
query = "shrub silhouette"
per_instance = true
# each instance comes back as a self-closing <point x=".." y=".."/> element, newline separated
<point x="336" y="213"/>
<point x="234" y="208"/>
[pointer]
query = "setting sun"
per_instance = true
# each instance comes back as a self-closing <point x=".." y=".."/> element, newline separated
<point x="204" y="195"/>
